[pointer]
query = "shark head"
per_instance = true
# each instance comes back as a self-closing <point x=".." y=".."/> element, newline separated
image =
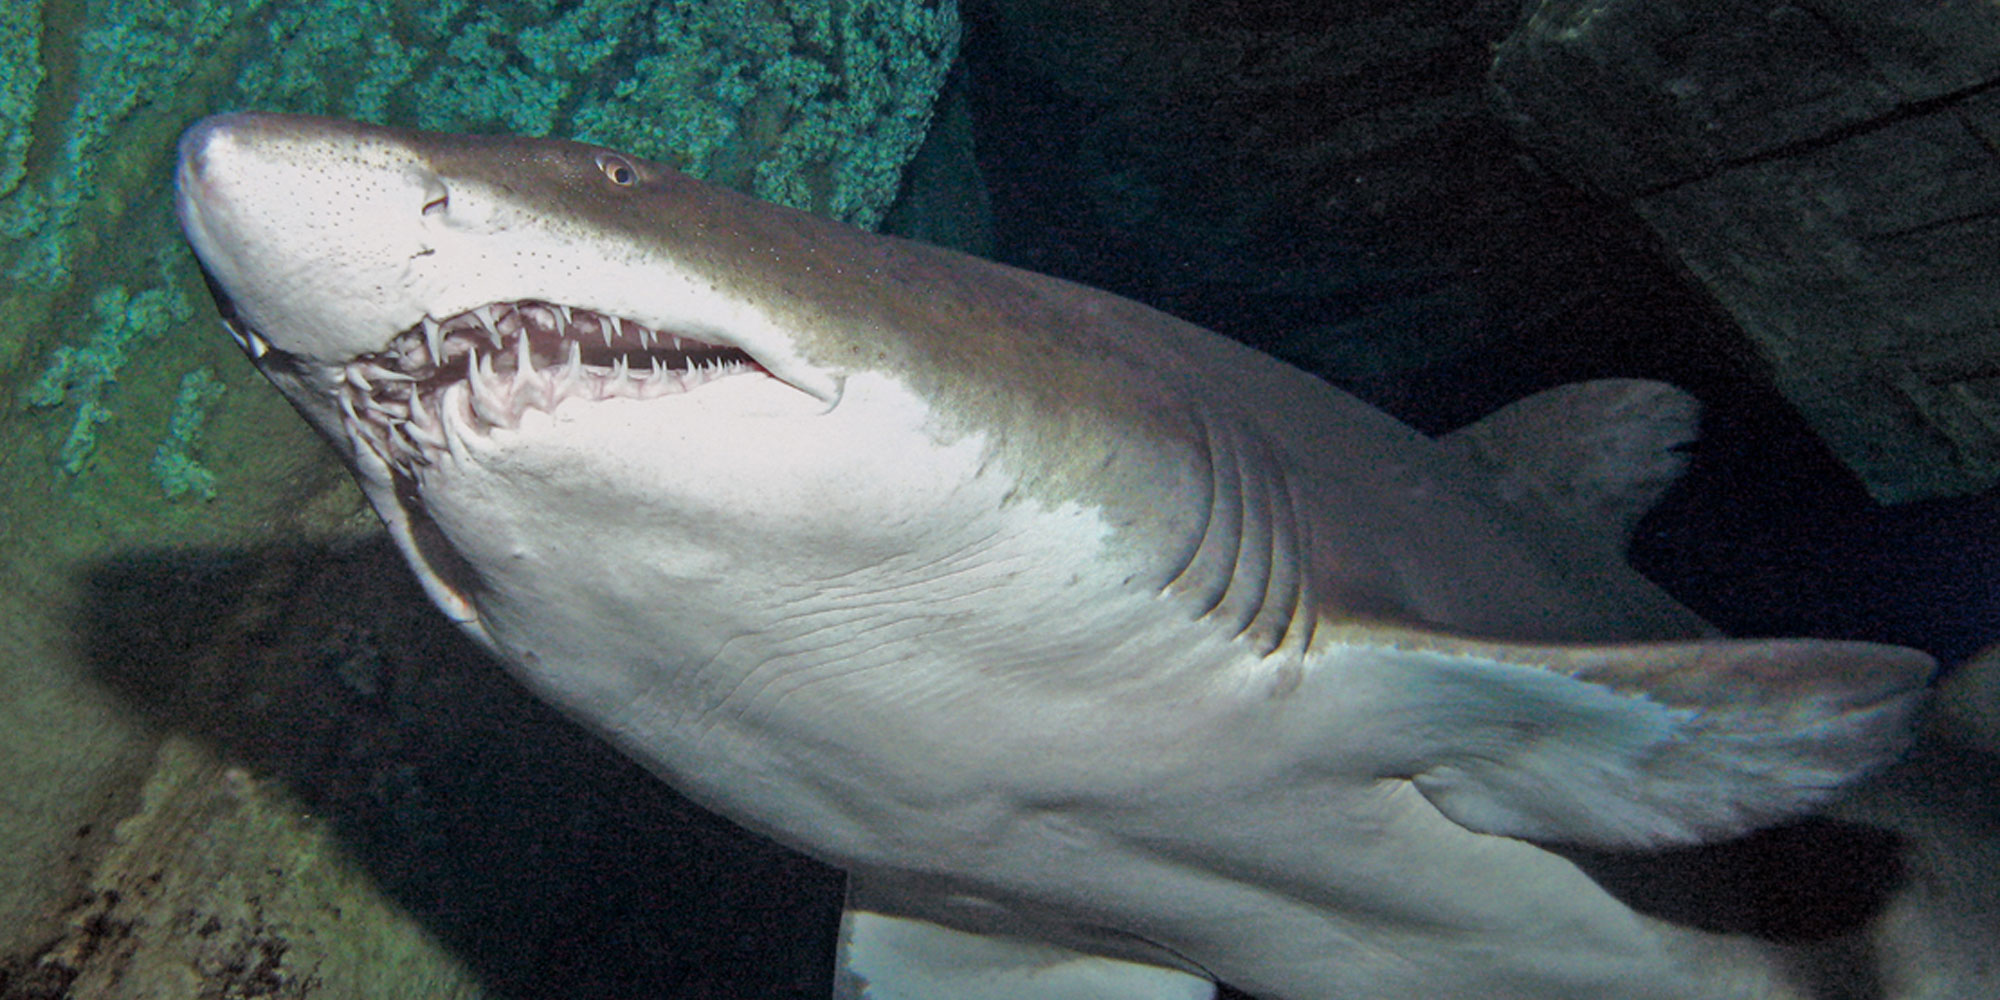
<point x="423" y="297"/>
<point x="571" y="378"/>
<point x="328" y="239"/>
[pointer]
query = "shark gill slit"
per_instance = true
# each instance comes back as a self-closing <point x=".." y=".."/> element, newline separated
<point x="1307" y="546"/>
<point x="1241" y="545"/>
<point x="512" y="357"/>
<point x="1280" y="573"/>
<point x="1205" y="453"/>
<point x="1251" y="572"/>
<point x="1210" y="567"/>
<point x="1253" y="551"/>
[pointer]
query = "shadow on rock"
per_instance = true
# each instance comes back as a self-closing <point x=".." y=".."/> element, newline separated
<point x="550" y="863"/>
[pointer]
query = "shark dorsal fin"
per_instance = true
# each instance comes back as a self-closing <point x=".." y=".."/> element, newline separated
<point x="1596" y="454"/>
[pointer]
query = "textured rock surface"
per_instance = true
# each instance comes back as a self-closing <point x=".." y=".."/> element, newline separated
<point x="349" y="801"/>
<point x="216" y="887"/>
<point x="1828" y="171"/>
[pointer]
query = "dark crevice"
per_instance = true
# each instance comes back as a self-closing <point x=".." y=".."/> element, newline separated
<point x="1827" y="140"/>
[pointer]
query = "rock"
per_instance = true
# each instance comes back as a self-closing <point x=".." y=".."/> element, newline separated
<point x="1827" y="171"/>
<point x="1325" y="181"/>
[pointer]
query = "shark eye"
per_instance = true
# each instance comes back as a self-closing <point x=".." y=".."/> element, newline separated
<point x="618" y="169"/>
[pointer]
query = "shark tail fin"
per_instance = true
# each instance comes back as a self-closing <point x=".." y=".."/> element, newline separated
<point x="1639" y="745"/>
<point x="1597" y="454"/>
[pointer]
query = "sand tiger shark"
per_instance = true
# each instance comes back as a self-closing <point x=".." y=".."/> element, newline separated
<point x="1110" y="659"/>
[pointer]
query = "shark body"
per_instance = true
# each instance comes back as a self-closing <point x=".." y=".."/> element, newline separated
<point x="1110" y="658"/>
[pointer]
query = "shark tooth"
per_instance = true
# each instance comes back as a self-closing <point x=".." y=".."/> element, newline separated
<point x="433" y="341"/>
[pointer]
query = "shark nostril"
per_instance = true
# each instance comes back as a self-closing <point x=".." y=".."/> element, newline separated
<point x="437" y="194"/>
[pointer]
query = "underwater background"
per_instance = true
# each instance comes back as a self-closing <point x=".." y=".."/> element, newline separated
<point x="244" y="758"/>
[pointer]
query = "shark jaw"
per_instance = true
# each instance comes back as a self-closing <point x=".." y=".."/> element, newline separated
<point x="483" y="368"/>
<point x="416" y="233"/>
<point x="396" y="328"/>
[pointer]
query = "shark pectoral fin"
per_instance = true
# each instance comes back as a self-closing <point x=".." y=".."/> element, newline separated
<point x="885" y="957"/>
<point x="1642" y="745"/>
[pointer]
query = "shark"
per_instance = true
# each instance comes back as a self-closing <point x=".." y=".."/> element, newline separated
<point x="1109" y="658"/>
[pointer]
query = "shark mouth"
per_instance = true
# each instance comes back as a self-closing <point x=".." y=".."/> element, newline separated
<point x="483" y="368"/>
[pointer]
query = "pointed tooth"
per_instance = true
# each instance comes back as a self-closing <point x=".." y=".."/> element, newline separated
<point x="434" y="340"/>
<point x="403" y="444"/>
<point x="424" y="434"/>
<point x="646" y="338"/>
<point x="391" y="455"/>
<point x="490" y="398"/>
<point x="529" y="387"/>
<point x="489" y="321"/>
<point x="480" y="370"/>
<point x="475" y="380"/>
<point x="424" y="423"/>
<point x="392" y="409"/>
<point x="456" y="397"/>
<point x="572" y="375"/>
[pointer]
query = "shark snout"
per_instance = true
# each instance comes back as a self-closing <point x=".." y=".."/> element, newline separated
<point x="211" y="150"/>
<point x="195" y="202"/>
<point x="189" y="189"/>
<point x="196" y="141"/>
<point x="290" y="214"/>
<point x="214" y="185"/>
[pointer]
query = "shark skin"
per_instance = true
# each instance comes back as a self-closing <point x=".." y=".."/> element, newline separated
<point x="1109" y="657"/>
